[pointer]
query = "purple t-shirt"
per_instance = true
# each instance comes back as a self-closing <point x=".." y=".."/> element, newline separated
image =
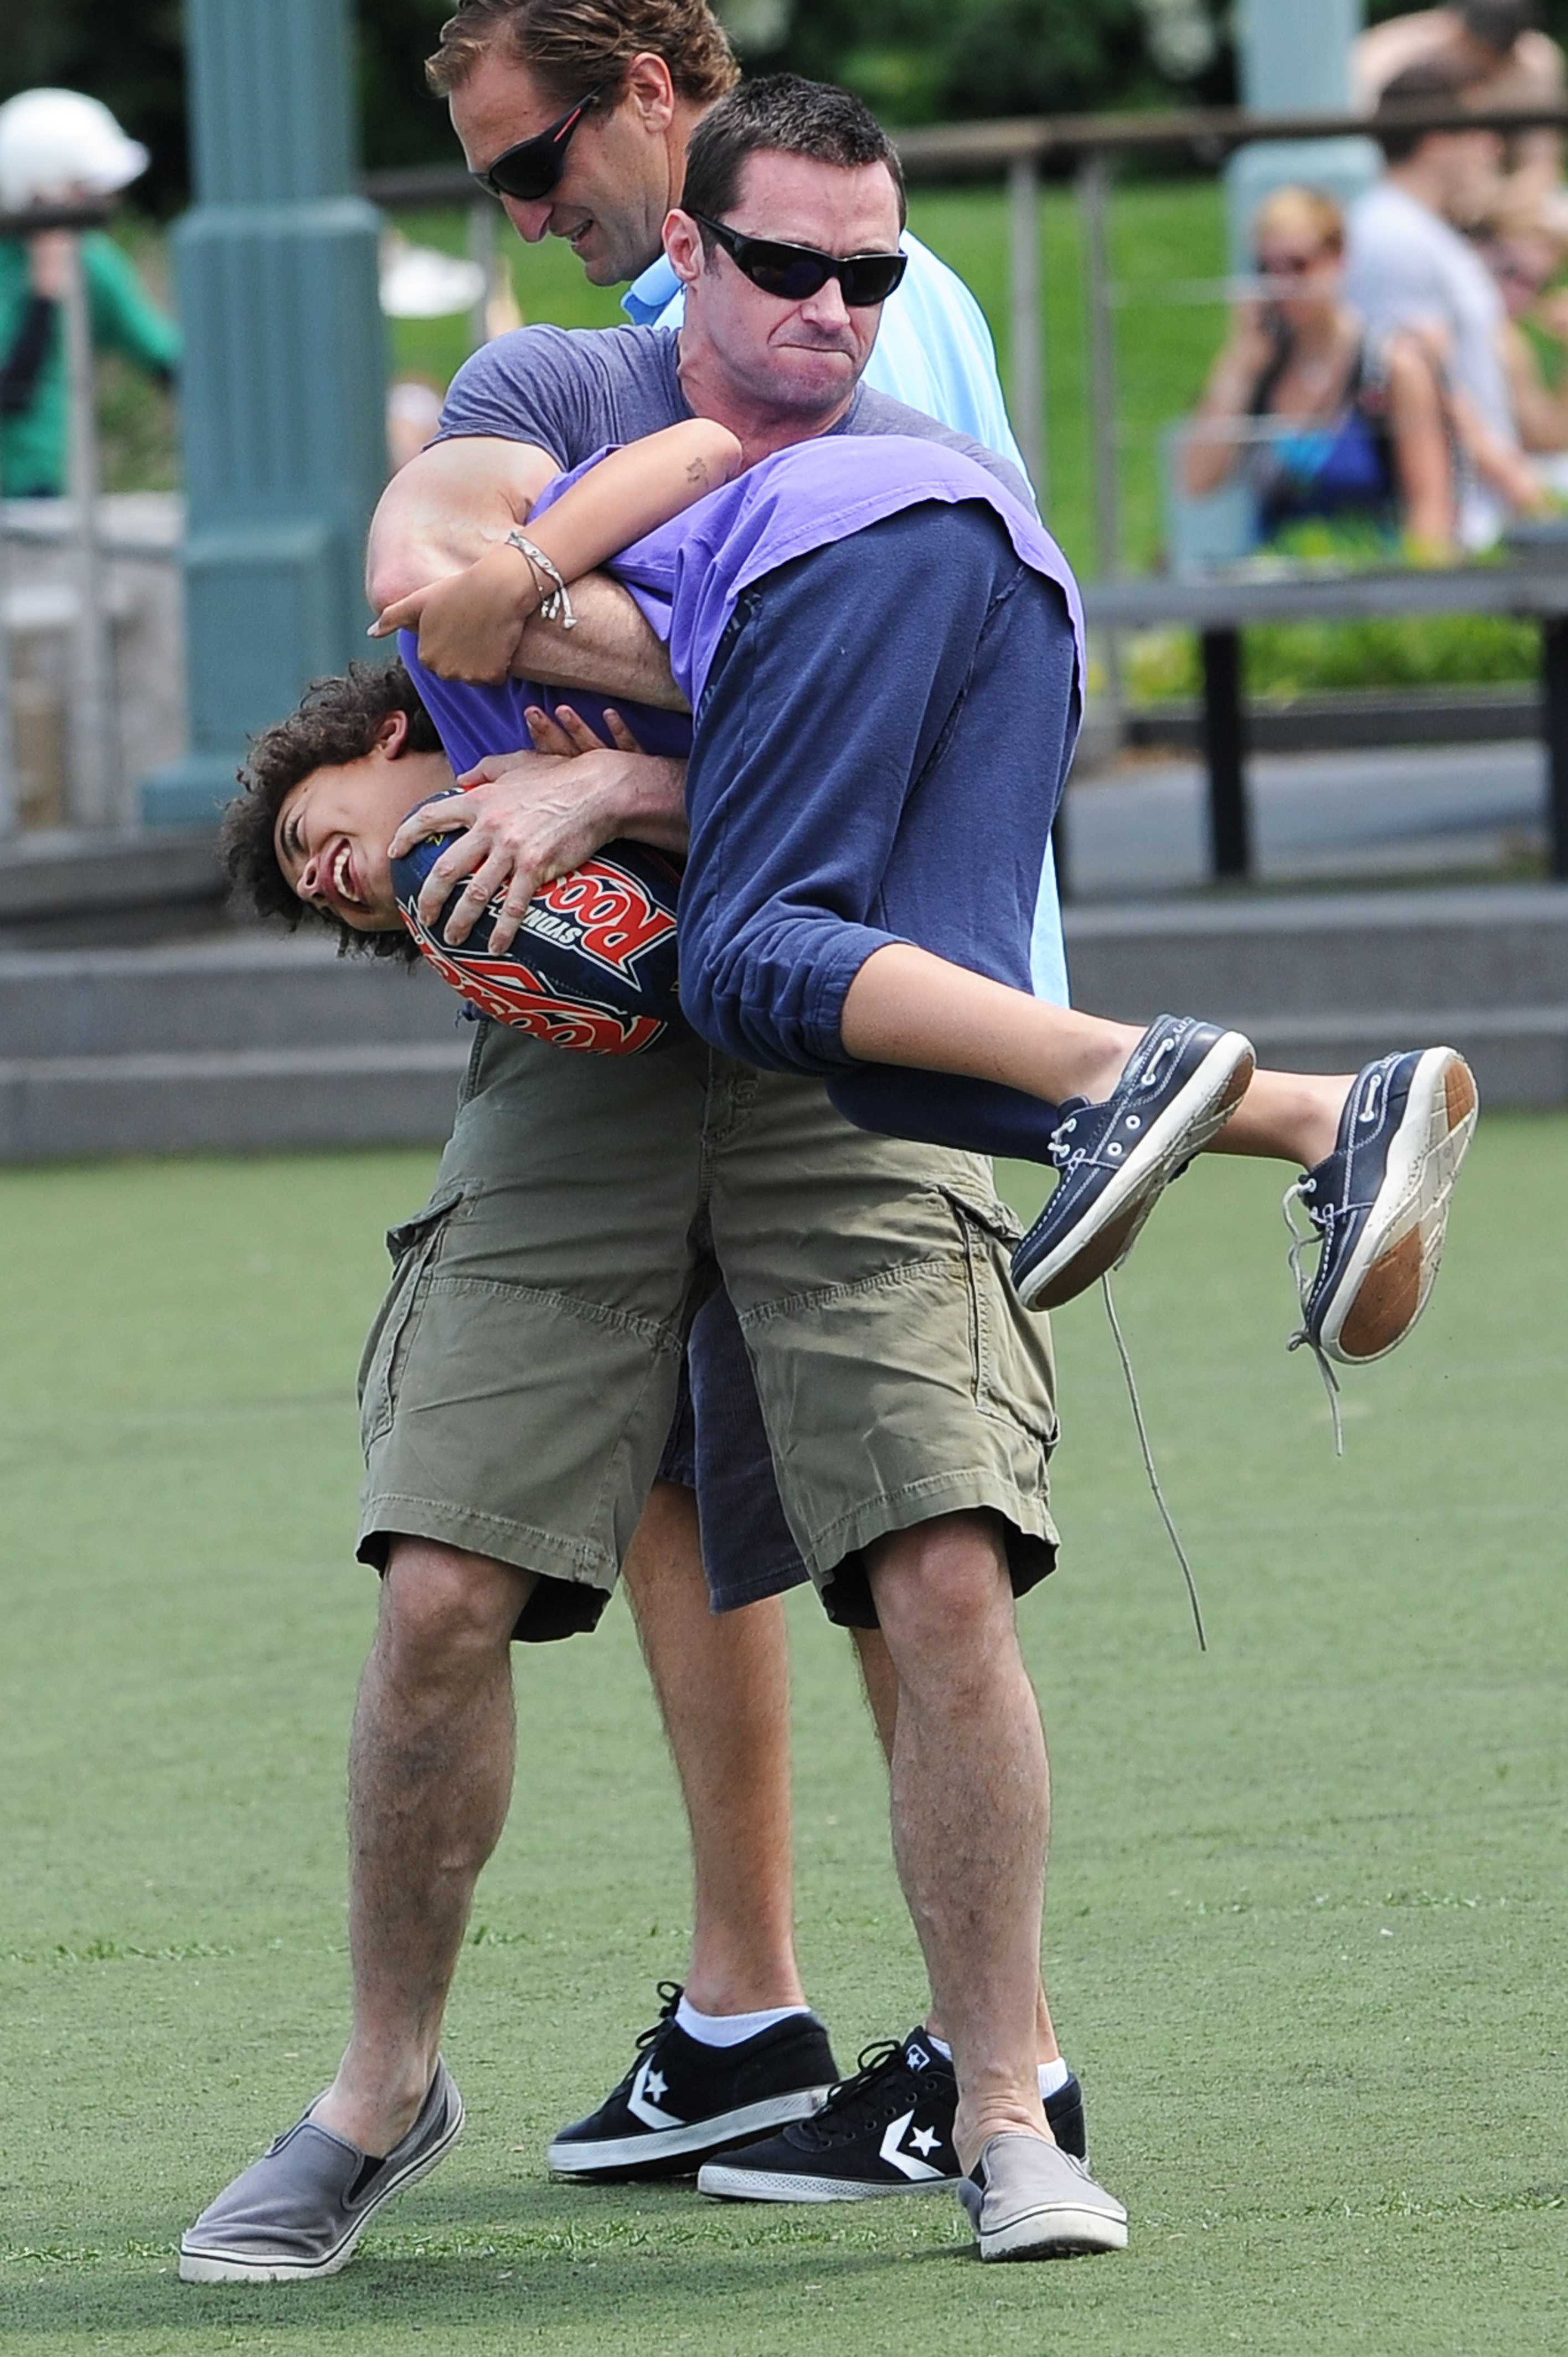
<point x="686" y="576"/>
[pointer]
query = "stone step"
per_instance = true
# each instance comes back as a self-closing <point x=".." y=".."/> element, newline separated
<point x="1314" y="956"/>
<point x="247" y="990"/>
<point x="249" y="1042"/>
<point x="229" y="1100"/>
<point x="65" y="890"/>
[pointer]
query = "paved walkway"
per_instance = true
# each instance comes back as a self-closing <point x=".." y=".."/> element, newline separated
<point x="1142" y="827"/>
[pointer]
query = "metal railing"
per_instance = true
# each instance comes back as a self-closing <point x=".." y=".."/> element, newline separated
<point x="1019" y="150"/>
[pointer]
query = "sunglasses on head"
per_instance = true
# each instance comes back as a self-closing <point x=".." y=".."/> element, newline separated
<point x="531" y="168"/>
<point x="795" y="272"/>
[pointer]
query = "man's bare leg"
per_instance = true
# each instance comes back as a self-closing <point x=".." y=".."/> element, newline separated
<point x="723" y="1685"/>
<point x="430" y="1770"/>
<point x="880" y="1682"/>
<point x="971" y="1808"/>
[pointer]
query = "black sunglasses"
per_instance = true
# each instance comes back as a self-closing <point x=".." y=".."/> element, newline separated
<point x="794" y="272"/>
<point x="531" y="168"/>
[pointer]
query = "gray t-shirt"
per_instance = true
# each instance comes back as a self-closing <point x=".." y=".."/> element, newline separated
<point x="573" y="390"/>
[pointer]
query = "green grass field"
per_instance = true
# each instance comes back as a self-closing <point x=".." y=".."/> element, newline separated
<point x="1307" y="1921"/>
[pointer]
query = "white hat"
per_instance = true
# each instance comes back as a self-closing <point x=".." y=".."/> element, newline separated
<point x="54" y="142"/>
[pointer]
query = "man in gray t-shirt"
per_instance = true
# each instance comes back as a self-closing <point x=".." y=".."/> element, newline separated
<point x="570" y="392"/>
<point x="522" y="1378"/>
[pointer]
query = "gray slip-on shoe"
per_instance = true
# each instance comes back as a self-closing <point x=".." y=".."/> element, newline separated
<point x="297" y="2212"/>
<point x="1028" y="2199"/>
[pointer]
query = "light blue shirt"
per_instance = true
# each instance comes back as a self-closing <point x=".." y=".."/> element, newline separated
<point x="933" y="351"/>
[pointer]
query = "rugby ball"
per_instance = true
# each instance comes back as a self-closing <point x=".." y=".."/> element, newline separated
<point x="592" y="965"/>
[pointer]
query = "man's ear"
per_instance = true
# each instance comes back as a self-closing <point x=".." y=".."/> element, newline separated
<point x="391" y="736"/>
<point x="648" y="86"/>
<point x="683" y="245"/>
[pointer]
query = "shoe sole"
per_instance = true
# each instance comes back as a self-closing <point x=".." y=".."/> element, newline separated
<point x="1389" y="1278"/>
<point x="212" y="2266"/>
<point x="772" y="2185"/>
<point x="1110" y="1227"/>
<point x="1054" y="2233"/>
<point x="677" y="2152"/>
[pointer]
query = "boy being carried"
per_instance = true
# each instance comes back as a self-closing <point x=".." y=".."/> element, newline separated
<point x="861" y="886"/>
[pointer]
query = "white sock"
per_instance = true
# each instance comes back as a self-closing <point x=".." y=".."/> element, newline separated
<point x="1053" y="2075"/>
<point x="730" y="2028"/>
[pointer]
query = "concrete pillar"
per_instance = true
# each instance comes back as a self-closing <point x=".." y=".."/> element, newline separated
<point x="283" y="386"/>
<point x="1295" y="56"/>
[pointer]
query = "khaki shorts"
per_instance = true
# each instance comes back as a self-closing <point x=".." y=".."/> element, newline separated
<point x="518" y="1385"/>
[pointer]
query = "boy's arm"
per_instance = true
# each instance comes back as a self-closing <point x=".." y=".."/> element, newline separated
<point x="459" y="499"/>
<point x="470" y="623"/>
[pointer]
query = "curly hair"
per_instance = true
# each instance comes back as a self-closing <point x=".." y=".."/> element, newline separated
<point x="572" y="45"/>
<point x="338" y="720"/>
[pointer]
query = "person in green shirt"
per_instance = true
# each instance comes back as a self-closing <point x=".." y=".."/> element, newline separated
<point x="58" y="146"/>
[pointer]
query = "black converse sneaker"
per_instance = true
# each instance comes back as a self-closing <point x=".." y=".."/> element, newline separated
<point x="887" y="2130"/>
<point x="681" y="2101"/>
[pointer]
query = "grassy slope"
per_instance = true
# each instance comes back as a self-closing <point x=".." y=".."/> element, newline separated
<point x="1307" y="1930"/>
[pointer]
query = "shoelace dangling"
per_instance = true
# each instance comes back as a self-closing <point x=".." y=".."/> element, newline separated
<point x="1320" y="1224"/>
<point x="1173" y="1533"/>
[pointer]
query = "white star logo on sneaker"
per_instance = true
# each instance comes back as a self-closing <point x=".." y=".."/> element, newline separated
<point x="925" y="2141"/>
<point x="647" y="2090"/>
<point x="904" y="2162"/>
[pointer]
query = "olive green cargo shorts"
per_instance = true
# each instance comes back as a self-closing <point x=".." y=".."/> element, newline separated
<point x="518" y="1381"/>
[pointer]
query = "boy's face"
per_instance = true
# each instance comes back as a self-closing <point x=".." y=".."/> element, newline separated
<point x="333" y="829"/>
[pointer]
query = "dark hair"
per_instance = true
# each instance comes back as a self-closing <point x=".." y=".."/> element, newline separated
<point x="576" y="46"/>
<point x="780" y="113"/>
<point x="1496" y="23"/>
<point x="1429" y="81"/>
<point x="337" y="720"/>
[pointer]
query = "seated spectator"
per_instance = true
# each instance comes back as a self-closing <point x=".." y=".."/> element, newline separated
<point x="1498" y="56"/>
<point x="1409" y="270"/>
<point x="1524" y="250"/>
<point x="58" y="147"/>
<point x="1358" y="435"/>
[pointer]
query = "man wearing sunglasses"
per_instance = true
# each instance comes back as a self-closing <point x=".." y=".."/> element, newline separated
<point x="791" y="188"/>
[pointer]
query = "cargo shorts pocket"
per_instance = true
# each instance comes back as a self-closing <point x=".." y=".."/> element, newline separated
<point x="1014" y="1369"/>
<point x="413" y="1246"/>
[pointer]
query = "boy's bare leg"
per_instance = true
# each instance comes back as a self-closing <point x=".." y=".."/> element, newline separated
<point x="971" y="1808"/>
<point x="723" y="1685"/>
<point x="430" y="1770"/>
<point x="1287" y="1117"/>
<point x="880" y="1680"/>
<point x="906" y="1007"/>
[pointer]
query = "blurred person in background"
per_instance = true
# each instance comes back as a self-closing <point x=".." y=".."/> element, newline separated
<point x="1524" y="244"/>
<point x="1498" y="56"/>
<point x="1408" y="270"/>
<point x="59" y="147"/>
<point x="1358" y="433"/>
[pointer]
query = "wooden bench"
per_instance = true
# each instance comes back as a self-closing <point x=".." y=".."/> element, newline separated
<point x="1219" y="607"/>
